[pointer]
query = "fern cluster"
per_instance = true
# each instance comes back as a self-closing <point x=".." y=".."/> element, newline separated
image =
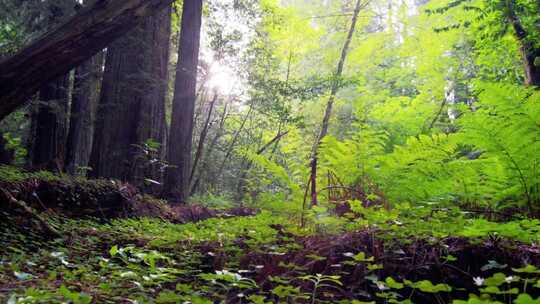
<point x="492" y="161"/>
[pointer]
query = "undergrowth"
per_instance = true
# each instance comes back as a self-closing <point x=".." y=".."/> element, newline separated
<point x="269" y="259"/>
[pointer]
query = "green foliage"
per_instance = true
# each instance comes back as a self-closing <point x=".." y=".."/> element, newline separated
<point x="434" y="139"/>
<point x="15" y="144"/>
<point x="153" y="261"/>
<point x="14" y="174"/>
<point x="505" y="128"/>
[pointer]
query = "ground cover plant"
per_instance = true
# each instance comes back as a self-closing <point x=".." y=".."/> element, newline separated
<point x="377" y="257"/>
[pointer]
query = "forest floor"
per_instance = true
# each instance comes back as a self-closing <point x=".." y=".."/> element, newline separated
<point x="398" y="256"/>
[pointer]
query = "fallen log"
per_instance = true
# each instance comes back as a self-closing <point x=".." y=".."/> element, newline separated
<point x="67" y="46"/>
<point x="45" y="193"/>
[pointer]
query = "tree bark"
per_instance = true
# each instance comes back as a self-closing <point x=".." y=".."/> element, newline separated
<point x="132" y="105"/>
<point x="330" y="103"/>
<point x="152" y="124"/>
<point x="529" y="53"/>
<point x="86" y="92"/>
<point x="179" y="152"/>
<point x="49" y="126"/>
<point x="68" y="46"/>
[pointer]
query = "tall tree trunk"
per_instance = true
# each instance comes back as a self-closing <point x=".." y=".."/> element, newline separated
<point x="49" y="126"/>
<point x="179" y="153"/>
<point x="132" y="104"/>
<point x="152" y="124"/>
<point x="84" y="102"/>
<point x="67" y="46"/>
<point x="530" y="55"/>
<point x="330" y="103"/>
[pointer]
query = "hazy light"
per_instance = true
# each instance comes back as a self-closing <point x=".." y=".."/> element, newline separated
<point x="222" y="79"/>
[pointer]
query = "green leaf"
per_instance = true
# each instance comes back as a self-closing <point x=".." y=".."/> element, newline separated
<point x="527" y="269"/>
<point x="495" y="280"/>
<point x="526" y="299"/>
<point x="361" y="257"/>
<point x="168" y="296"/>
<point x="390" y="282"/>
<point x="427" y="286"/>
<point x="113" y="251"/>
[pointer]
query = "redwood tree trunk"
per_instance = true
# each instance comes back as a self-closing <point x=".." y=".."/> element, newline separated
<point x="84" y="102"/>
<point x="68" y="46"/>
<point x="179" y="153"/>
<point x="49" y="126"/>
<point x="132" y="104"/>
<point x="152" y="124"/>
<point x="529" y="53"/>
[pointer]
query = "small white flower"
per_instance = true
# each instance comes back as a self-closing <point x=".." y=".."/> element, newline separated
<point x="381" y="286"/>
<point x="240" y="295"/>
<point x="348" y="254"/>
<point x="478" y="281"/>
<point x="57" y="254"/>
<point x="509" y="279"/>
